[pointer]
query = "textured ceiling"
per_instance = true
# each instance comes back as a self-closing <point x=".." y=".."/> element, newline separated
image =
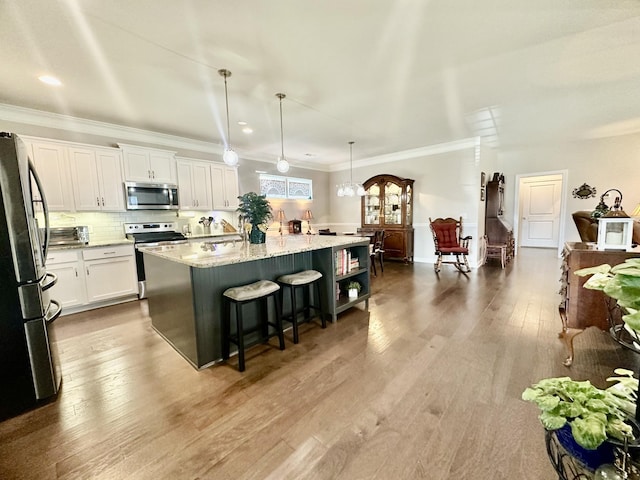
<point x="391" y="75"/>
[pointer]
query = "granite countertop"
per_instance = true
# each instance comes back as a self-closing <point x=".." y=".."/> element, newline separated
<point x="200" y="236"/>
<point x="91" y="244"/>
<point x="210" y="254"/>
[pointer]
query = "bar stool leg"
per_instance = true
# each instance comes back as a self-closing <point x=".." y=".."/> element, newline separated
<point x="240" y="333"/>
<point x="276" y="299"/>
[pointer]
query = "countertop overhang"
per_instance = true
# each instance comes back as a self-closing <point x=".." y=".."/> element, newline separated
<point x="208" y="254"/>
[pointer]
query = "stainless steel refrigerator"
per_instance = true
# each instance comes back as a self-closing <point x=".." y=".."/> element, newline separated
<point x="29" y="371"/>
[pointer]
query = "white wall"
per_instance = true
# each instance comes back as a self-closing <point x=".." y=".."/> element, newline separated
<point x="602" y="163"/>
<point x="447" y="184"/>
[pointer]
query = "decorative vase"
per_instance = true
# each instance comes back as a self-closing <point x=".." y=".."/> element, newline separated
<point x="353" y="293"/>
<point x="257" y="235"/>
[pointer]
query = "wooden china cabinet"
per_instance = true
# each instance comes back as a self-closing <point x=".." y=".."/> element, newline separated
<point x="388" y="205"/>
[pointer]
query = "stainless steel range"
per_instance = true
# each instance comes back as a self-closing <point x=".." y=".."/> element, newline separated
<point x="150" y="235"/>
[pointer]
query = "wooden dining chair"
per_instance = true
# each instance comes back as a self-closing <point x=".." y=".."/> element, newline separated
<point x="377" y="250"/>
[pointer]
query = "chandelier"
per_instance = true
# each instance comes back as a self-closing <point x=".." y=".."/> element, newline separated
<point x="350" y="189"/>
<point x="282" y="165"/>
<point x="229" y="156"/>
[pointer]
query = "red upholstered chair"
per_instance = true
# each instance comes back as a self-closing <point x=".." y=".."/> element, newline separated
<point x="448" y="239"/>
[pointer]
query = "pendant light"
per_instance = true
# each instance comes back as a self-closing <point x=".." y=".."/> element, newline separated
<point x="230" y="157"/>
<point x="282" y="165"/>
<point x="350" y="189"/>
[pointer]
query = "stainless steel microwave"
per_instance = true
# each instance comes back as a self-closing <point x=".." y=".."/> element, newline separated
<point x="151" y="196"/>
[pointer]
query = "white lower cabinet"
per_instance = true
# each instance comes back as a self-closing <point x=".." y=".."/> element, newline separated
<point x="92" y="276"/>
<point x="110" y="272"/>
<point x="70" y="289"/>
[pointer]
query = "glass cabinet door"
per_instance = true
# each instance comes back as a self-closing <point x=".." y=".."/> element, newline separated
<point x="409" y="204"/>
<point x="372" y="205"/>
<point x="392" y="204"/>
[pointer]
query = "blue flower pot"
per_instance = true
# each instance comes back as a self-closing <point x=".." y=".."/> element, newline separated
<point x="257" y="235"/>
<point x="591" y="459"/>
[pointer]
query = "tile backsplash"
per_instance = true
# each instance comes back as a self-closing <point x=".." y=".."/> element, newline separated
<point x="104" y="226"/>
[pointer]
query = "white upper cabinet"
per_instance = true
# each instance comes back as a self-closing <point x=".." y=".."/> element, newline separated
<point x="50" y="160"/>
<point x="149" y="165"/>
<point x="194" y="184"/>
<point x="224" y="187"/>
<point x="97" y="179"/>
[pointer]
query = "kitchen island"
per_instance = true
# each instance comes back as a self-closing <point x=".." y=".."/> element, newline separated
<point x="185" y="283"/>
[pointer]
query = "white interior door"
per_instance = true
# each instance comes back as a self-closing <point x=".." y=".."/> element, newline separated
<point x="540" y="202"/>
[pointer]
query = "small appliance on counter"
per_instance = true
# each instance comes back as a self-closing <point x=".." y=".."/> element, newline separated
<point x="69" y="235"/>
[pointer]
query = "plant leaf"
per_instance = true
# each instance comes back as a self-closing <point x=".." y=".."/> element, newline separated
<point x="589" y="432"/>
<point x="551" y="421"/>
<point x="583" y="272"/>
<point x="633" y="320"/>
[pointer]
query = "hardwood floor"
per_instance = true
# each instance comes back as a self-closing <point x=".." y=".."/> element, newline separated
<point x="426" y="385"/>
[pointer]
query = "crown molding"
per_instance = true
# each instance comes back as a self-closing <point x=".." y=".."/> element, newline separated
<point x="41" y="118"/>
<point x="465" y="143"/>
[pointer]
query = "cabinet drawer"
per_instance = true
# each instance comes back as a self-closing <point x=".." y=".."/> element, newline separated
<point x="107" y="252"/>
<point x="55" y="257"/>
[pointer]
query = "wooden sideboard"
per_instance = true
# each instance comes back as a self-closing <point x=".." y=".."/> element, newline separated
<point x="581" y="308"/>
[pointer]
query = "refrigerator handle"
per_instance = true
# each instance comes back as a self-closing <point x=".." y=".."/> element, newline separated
<point x="50" y="283"/>
<point x="53" y="313"/>
<point x="45" y="207"/>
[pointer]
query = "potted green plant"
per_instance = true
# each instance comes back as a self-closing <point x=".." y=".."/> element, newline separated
<point x="587" y="420"/>
<point x="354" y="289"/>
<point x="255" y="210"/>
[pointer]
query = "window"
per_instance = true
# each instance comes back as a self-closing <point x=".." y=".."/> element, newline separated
<point x="275" y="186"/>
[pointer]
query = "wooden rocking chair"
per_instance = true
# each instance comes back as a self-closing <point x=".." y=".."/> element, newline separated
<point x="448" y="240"/>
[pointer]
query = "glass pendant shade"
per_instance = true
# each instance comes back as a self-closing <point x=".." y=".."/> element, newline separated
<point x="282" y="165"/>
<point x="230" y="157"/>
<point x="350" y="189"/>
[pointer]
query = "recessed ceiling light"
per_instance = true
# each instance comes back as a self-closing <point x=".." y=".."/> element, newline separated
<point x="49" y="80"/>
<point x="247" y="130"/>
<point x="242" y="123"/>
